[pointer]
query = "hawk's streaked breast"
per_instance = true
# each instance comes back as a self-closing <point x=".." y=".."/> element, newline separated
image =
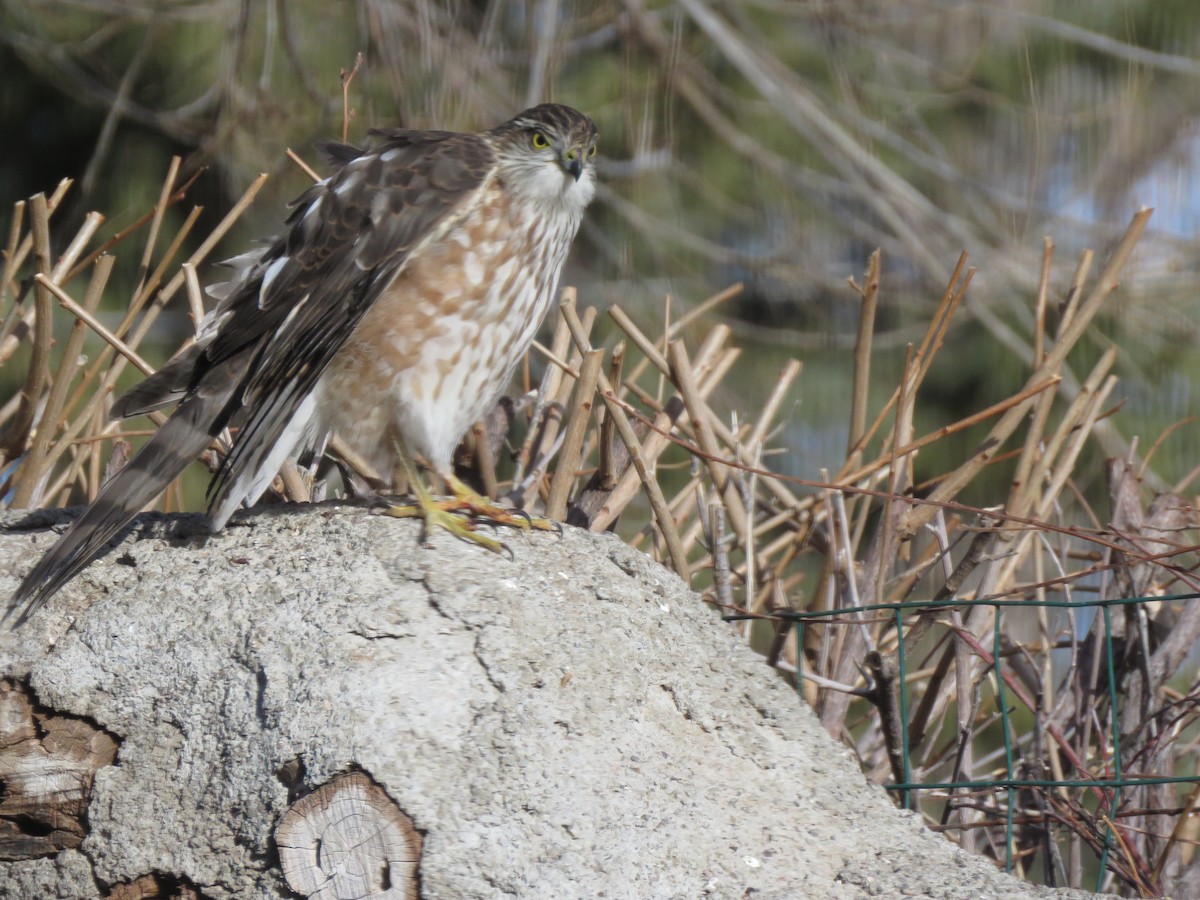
<point x="442" y="340"/>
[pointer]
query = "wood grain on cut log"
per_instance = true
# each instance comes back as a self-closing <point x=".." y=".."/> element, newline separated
<point x="47" y="765"/>
<point x="346" y="840"/>
<point x="153" y="887"/>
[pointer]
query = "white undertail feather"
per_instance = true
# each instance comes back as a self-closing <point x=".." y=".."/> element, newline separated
<point x="245" y="488"/>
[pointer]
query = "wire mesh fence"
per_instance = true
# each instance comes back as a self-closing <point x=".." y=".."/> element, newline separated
<point x="1047" y="788"/>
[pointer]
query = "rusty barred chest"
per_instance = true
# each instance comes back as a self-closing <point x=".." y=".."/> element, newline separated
<point x="441" y="343"/>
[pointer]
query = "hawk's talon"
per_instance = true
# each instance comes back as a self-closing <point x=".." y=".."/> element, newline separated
<point x="436" y="516"/>
<point x="461" y="513"/>
<point x="481" y="507"/>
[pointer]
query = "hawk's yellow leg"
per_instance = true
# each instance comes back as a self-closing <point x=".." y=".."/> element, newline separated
<point x="459" y="513"/>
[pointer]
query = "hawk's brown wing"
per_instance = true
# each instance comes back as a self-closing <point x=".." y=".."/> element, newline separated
<point x="266" y="344"/>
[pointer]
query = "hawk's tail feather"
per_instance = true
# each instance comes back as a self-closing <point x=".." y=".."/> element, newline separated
<point x="164" y="387"/>
<point x="181" y="439"/>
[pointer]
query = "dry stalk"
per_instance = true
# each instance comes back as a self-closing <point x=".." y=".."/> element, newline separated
<point x="35" y="461"/>
<point x="39" y="365"/>
<point x="160" y="208"/>
<point x="869" y="295"/>
<point x="569" y="455"/>
<point x="549" y="386"/>
<point x="685" y="382"/>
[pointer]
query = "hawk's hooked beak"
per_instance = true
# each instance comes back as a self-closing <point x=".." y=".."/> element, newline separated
<point x="572" y="161"/>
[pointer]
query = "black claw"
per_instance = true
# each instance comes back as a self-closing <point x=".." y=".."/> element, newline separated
<point x="515" y="511"/>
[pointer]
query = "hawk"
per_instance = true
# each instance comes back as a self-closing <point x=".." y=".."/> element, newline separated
<point x="392" y="311"/>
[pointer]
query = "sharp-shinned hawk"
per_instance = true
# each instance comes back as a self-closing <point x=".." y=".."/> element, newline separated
<point x="392" y="311"/>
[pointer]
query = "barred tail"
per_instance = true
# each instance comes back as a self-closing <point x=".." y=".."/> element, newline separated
<point x="181" y="439"/>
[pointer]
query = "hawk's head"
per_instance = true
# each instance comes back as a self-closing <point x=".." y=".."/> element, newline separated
<point x="547" y="154"/>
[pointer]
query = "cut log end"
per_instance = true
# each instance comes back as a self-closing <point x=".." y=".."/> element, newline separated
<point x="348" y="839"/>
<point x="154" y="887"/>
<point x="47" y="764"/>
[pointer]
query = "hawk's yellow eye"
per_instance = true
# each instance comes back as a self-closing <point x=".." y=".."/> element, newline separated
<point x="539" y="141"/>
<point x="592" y="152"/>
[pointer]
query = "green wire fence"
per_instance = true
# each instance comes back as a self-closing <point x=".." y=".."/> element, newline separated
<point x="907" y="787"/>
